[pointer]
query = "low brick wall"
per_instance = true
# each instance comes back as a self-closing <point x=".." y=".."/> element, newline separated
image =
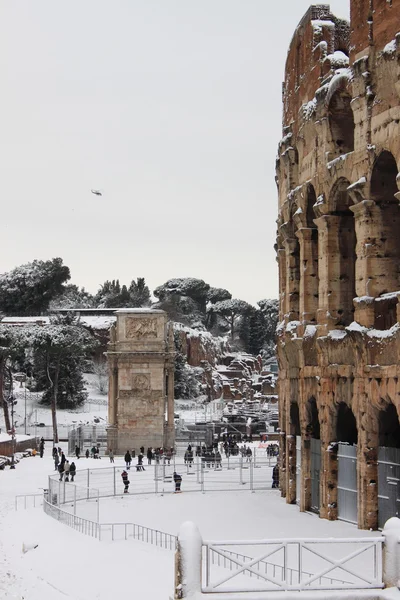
<point x="6" y="448"/>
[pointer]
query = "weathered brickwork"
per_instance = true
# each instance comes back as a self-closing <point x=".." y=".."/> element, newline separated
<point x="338" y="247"/>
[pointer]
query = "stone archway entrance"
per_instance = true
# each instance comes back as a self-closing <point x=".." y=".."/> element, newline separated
<point x="388" y="465"/>
<point x="347" y="435"/>
<point x="141" y="386"/>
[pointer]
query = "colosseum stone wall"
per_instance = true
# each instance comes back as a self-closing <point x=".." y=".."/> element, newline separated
<point x="338" y="247"/>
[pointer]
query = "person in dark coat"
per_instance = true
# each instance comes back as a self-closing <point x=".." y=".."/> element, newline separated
<point x="87" y="453"/>
<point x="61" y="470"/>
<point x="275" y="476"/>
<point x="56" y="461"/>
<point x="41" y="448"/>
<point x="63" y="459"/>
<point x="128" y="459"/>
<point x="178" y="482"/>
<point x="72" y="470"/>
<point x="55" y="451"/>
<point x="77" y="452"/>
<point x="126" y="481"/>
<point x="149" y="455"/>
<point x="142" y="449"/>
<point x="139" y="466"/>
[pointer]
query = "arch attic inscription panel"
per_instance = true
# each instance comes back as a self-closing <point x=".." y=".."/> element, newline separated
<point x="141" y="366"/>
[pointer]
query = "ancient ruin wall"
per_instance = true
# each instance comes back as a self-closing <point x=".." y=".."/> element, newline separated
<point x="338" y="244"/>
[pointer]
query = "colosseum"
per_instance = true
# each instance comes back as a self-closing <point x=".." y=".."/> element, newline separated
<point x="338" y="247"/>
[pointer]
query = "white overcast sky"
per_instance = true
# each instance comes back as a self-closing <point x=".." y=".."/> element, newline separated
<point x="173" y="109"/>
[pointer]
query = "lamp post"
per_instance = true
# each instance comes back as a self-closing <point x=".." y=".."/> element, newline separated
<point x="11" y="399"/>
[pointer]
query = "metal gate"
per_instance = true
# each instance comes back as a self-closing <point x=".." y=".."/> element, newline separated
<point x="388" y="484"/>
<point x="347" y="483"/>
<point x="315" y="470"/>
<point x="298" y="468"/>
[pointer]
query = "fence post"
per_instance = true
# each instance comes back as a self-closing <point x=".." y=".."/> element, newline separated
<point x="115" y="484"/>
<point x="241" y="470"/>
<point x="188" y="561"/>
<point x="87" y="485"/>
<point x="391" y="552"/>
<point x="251" y="476"/>
<point x="74" y="500"/>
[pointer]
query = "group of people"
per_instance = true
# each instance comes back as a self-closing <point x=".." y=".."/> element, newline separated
<point x="63" y="466"/>
<point x="128" y="459"/>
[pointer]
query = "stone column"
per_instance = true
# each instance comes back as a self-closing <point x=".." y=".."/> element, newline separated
<point x="305" y="492"/>
<point x="292" y="279"/>
<point x="329" y="451"/>
<point x="375" y="270"/>
<point x="329" y="269"/>
<point x="367" y="460"/>
<point x="282" y="283"/>
<point x="170" y="408"/>
<point x="308" y="274"/>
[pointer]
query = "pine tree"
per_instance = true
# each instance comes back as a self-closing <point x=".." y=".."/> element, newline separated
<point x="60" y="353"/>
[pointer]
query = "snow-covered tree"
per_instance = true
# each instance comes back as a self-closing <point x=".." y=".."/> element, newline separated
<point x="73" y="297"/>
<point x="28" y="289"/>
<point x="218" y="294"/>
<point x="270" y="311"/>
<point x="139" y="293"/>
<point x="60" y="353"/>
<point x="184" y="299"/>
<point x="231" y="310"/>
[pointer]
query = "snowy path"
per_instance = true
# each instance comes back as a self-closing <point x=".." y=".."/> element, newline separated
<point x="68" y="565"/>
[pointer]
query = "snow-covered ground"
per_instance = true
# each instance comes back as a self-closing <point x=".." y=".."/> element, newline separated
<point x="67" y="564"/>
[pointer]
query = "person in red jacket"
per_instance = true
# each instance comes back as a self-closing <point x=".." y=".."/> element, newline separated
<point x="126" y="481"/>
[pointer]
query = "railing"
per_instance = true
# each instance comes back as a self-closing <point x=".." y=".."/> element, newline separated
<point x="361" y="565"/>
<point x="28" y="501"/>
<point x="125" y="531"/>
<point x="78" y="523"/>
<point x="268" y="568"/>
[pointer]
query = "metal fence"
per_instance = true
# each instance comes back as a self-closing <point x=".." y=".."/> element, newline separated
<point x="24" y="501"/>
<point x="388" y="483"/>
<point x="347" y="482"/>
<point x="126" y="531"/>
<point x="234" y="474"/>
<point x="301" y="564"/>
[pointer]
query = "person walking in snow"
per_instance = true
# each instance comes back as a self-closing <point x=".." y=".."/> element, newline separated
<point x="41" y="448"/>
<point x="66" y="470"/>
<point x="72" y="470"/>
<point x="149" y="455"/>
<point x="111" y="455"/>
<point x="178" y="482"/>
<point x="128" y="459"/>
<point x="61" y="470"/>
<point x="275" y="476"/>
<point x="126" y="481"/>
<point x="139" y="466"/>
<point x="63" y="459"/>
<point x="56" y="461"/>
<point x="77" y="452"/>
<point x="87" y="453"/>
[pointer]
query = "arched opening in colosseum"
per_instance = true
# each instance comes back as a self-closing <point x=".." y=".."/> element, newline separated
<point x="389" y="427"/>
<point x="313" y="427"/>
<point x="346" y="425"/>
<point x="383" y="190"/>
<point x="345" y="285"/>
<point x="341" y="121"/>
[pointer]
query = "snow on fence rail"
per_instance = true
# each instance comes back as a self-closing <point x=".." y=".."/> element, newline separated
<point x="125" y="531"/>
<point x="359" y="566"/>
<point x="25" y="501"/>
<point x="347" y="564"/>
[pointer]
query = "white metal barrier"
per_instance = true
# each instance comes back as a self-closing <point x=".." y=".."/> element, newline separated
<point x="285" y="565"/>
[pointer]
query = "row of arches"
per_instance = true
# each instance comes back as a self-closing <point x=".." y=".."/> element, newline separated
<point x="380" y="249"/>
<point x="346" y="424"/>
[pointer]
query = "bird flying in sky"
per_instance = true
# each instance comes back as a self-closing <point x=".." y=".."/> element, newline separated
<point x="96" y="192"/>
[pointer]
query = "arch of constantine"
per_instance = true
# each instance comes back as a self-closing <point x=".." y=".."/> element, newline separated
<point x="338" y="247"/>
<point x="141" y="383"/>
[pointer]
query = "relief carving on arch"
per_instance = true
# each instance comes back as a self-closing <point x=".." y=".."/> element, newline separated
<point x="141" y="328"/>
